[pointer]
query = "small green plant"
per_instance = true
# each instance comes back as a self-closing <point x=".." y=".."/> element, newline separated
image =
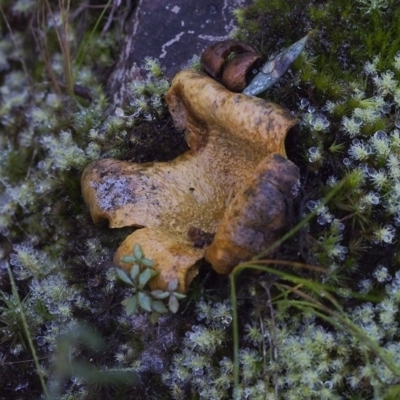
<point x="139" y="276"/>
<point x="11" y="325"/>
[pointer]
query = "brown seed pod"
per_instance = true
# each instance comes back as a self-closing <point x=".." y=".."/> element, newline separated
<point x="236" y="72"/>
<point x="214" y="57"/>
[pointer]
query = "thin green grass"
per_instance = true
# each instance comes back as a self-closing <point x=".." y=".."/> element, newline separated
<point x="35" y="357"/>
<point x="84" y="45"/>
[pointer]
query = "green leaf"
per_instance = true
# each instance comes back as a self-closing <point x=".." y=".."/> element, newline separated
<point x="124" y="276"/>
<point x="179" y="296"/>
<point x="145" y="301"/>
<point x="127" y="259"/>
<point x="154" y="317"/>
<point x="146" y="262"/>
<point x="145" y="276"/>
<point x="130" y="305"/>
<point x="135" y="271"/>
<point x="173" y="284"/>
<point x="137" y="251"/>
<point x="173" y="304"/>
<point x="159" y="307"/>
<point x="159" y="294"/>
<point x="273" y="69"/>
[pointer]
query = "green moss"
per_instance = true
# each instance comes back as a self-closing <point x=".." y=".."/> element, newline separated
<point x="327" y="87"/>
<point x="17" y="163"/>
<point x="345" y="38"/>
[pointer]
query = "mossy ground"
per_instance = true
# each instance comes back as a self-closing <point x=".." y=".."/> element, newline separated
<point x="342" y="92"/>
<point x="346" y="36"/>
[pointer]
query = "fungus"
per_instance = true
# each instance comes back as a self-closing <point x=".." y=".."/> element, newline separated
<point x="230" y="136"/>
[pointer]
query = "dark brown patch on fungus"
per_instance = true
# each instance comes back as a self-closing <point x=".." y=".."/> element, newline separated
<point x="257" y="216"/>
<point x="199" y="237"/>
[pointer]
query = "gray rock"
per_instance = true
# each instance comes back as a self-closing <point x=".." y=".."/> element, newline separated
<point x="172" y="31"/>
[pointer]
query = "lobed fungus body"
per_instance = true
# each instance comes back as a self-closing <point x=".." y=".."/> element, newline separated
<point x="229" y="134"/>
